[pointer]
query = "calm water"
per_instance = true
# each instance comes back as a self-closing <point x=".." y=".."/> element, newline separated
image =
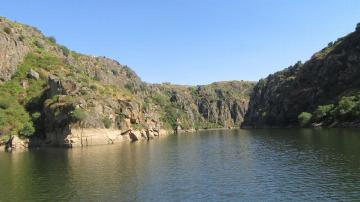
<point x="243" y="165"/>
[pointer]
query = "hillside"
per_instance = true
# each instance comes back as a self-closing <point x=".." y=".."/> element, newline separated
<point x="52" y="96"/>
<point x="325" y="91"/>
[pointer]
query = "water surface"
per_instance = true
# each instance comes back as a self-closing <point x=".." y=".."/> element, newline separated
<point x="247" y="165"/>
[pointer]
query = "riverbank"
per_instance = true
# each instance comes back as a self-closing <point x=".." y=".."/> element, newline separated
<point x="95" y="137"/>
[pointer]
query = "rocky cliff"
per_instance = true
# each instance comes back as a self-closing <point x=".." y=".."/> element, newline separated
<point x="325" y="91"/>
<point x="54" y="96"/>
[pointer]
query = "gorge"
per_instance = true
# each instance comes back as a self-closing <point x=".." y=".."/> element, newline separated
<point x="52" y="96"/>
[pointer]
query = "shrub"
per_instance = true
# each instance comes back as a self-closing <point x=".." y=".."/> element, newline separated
<point x="130" y="87"/>
<point x="138" y="126"/>
<point x="304" y="118"/>
<point x="7" y="30"/>
<point x="93" y="87"/>
<point x="323" y="111"/>
<point x="35" y="116"/>
<point x="115" y="73"/>
<point x="79" y="114"/>
<point x="52" y="39"/>
<point x="171" y="116"/>
<point x="39" y="44"/>
<point x="21" y="37"/>
<point x="4" y="103"/>
<point x="160" y="99"/>
<point x="107" y="122"/>
<point x="65" y="50"/>
<point x="346" y="105"/>
<point x="28" y="129"/>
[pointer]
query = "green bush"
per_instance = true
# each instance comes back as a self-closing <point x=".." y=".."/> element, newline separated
<point x="161" y="100"/>
<point x="28" y="129"/>
<point x="14" y="120"/>
<point x="346" y="105"/>
<point x="35" y="116"/>
<point x="79" y="114"/>
<point x="65" y="50"/>
<point x="107" y="122"/>
<point x="138" y="126"/>
<point x="7" y="30"/>
<point x="304" y="118"/>
<point x="323" y="111"/>
<point x="39" y="44"/>
<point x="171" y="115"/>
<point x="52" y="39"/>
<point x="4" y="103"/>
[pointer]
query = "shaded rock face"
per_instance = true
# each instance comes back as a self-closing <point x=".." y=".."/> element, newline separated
<point x="328" y="75"/>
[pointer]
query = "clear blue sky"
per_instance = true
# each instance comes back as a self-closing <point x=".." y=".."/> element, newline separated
<point x="192" y="41"/>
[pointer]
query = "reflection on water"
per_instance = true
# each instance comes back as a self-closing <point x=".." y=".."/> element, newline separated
<point x="211" y="165"/>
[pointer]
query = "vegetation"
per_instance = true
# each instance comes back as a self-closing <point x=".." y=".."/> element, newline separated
<point x="65" y="50"/>
<point x="79" y="114"/>
<point x="21" y="96"/>
<point x="52" y="39"/>
<point x="322" y="112"/>
<point x="347" y="109"/>
<point x="74" y="83"/>
<point x="27" y="130"/>
<point x="38" y="44"/>
<point x="7" y="30"/>
<point x="304" y="118"/>
<point x="138" y="126"/>
<point x="21" y="37"/>
<point x="107" y="122"/>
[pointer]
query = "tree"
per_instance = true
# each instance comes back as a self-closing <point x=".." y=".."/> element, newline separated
<point x="358" y="27"/>
<point x="304" y="118"/>
<point x="80" y="115"/>
<point x="65" y="50"/>
<point x="28" y="129"/>
<point x="52" y="39"/>
<point x="346" y="105"/>
<point x="323" y="111"/>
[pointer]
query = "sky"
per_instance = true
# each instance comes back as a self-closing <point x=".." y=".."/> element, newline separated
<point x="192" y="41"/>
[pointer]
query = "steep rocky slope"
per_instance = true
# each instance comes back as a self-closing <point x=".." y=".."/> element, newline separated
<point x="323" y="91"/>
<point x="53" y="96"/>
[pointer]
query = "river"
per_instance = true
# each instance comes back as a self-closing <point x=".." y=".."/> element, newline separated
<point x="234" y="165"/>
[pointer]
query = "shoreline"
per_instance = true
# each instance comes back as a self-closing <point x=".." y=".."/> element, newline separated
<point x="36" y="143"/>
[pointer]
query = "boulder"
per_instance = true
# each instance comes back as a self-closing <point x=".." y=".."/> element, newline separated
<point x="33" y="74"/>
<point x="55" y="86"/>
<point x="17" y="144"/>
<point x="135" y="135"/>
<point x="150" y="134"/>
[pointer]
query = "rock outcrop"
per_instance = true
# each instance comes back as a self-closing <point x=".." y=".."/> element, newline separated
<point x="63" y="98"/>
<point x="13" y="48"/>
<point x="325" y="89"/>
